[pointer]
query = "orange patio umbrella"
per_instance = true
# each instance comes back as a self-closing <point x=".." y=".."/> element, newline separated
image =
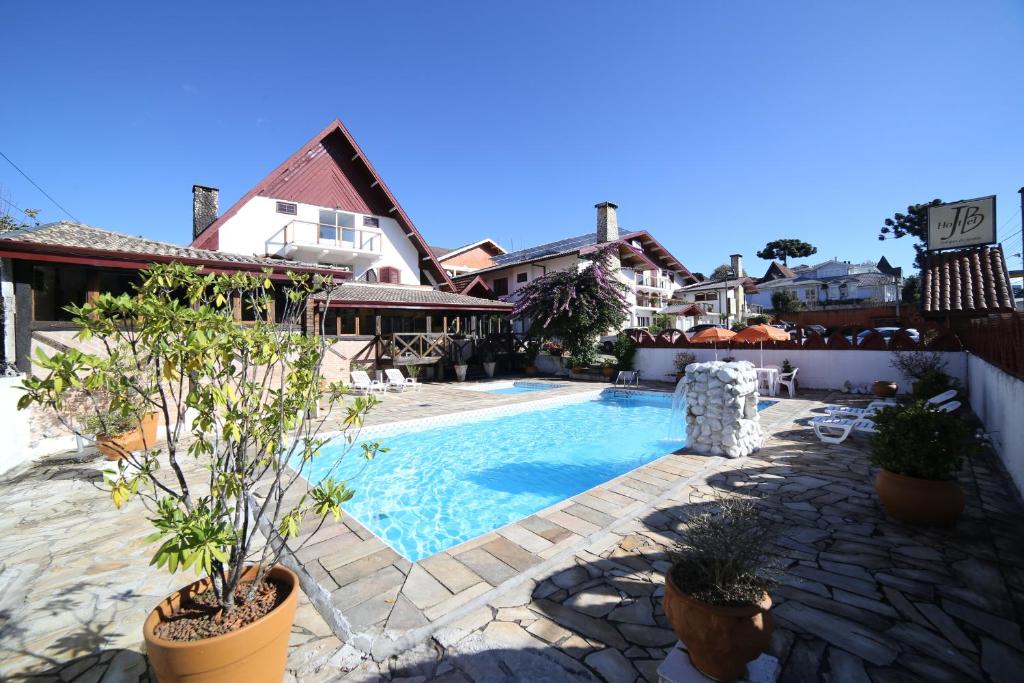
<point x="712" y="335"/>
<point x="761" y="333"/>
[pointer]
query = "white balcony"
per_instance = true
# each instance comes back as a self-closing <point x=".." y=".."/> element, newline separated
<point x="307" y="241"/>
<point x="660" y="284"/>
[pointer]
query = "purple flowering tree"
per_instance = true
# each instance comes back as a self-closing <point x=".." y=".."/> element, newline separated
<point x="575" y="306"/>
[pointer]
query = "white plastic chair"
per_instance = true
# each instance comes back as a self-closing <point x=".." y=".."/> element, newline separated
<point x="788" y="380"/>
<point x="396" y="380"/>
<point x="360" y="381"/>
<point x="628" y="377"/>
<point x="837" y="429"/>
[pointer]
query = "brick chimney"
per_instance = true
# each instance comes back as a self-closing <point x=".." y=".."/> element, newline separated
<point x="737" y="265"/>
<point x="205" y="202"/>
<point x="607" y="222"/>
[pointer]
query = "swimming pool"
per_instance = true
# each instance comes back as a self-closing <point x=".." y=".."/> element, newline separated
<point x="522" y="388"/>
<point x="441" y="486"/>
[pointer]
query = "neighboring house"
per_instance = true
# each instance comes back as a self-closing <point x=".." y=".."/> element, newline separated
<point x="649" y="271"/>
<point x="468" y="257"/>
<point x="832" y="282"/>
<point x="725" y="301"/>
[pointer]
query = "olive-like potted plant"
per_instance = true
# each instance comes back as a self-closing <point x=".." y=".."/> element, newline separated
<point x="236" y="400"/>
<point x="682" y="359"/>
<point x="459" y="361"/>
<point x="532" y="351"/>
<point x="927" y="372"/>
<point x="487" y="358"/>
<point x="716" y="592"/>
<point x="919" y="451"/>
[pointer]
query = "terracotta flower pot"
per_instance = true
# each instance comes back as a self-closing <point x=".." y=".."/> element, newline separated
<point x="119" y="445"/>
<point x="720" y="640"/>
<point x="147" y="430"/>
<point x="531" y="370"/>
<point x="253" y="653"/>
<point x="607" y="371"/>
<point x="884" y="388"/>
<point x="920" y="501"/>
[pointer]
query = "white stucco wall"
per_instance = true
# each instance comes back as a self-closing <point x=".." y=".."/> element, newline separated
<point x="997" y="398"/>
<point x="14" y="425"/>
<point x="817" y="369"/>
<point x="257" y="228"/>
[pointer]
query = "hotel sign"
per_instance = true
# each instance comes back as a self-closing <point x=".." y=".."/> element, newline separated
<point x="962" y="224"/>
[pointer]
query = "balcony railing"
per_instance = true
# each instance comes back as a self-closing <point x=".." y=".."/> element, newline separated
<point x="308" y="234"/>
<point x="654" y="282"/>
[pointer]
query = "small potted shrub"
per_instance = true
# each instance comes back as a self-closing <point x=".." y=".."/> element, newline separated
<point x="118" y="432"/>
<point x="920" y="451"/>
<point x="225" y="479"/>
<point x="682" y="359"/>
<point x="884" y="388"/>
<point x="532" y="351"/>
<point x="459" y="362"/>
<point x="413" y="371"/>
<point x="927" y="370"/>
<point x="487" y="358"/>
<point x="716" y="592"/>
<point x="607" y="369"/>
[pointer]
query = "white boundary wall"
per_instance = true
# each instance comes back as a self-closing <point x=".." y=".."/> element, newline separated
<point x="14" y="425"/>
<point x="997" y="398"/>
<point x="817" y="369"/>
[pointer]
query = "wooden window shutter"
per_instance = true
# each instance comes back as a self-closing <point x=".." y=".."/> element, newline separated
<point x="391" y="275"/>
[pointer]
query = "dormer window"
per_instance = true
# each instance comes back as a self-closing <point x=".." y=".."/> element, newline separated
<point x="287" y="208"/>
<point x="337" y="226"/>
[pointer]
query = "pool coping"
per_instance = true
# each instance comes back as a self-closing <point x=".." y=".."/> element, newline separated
<point x="381" y="603"/>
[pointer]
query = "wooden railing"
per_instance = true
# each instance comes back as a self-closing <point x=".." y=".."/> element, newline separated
<point x="999" y="339"/>
<point x="417" y="347"/>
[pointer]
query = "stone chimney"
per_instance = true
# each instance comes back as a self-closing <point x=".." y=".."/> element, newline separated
<point x="607" y="222"/>
<point x="204" y="208"/>
<point x="737" y="265"/>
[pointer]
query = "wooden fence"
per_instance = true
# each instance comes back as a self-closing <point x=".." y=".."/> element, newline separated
<point x="999" y="339"/>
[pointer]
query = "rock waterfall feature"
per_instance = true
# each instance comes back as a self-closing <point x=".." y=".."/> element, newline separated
<point x="721" y="408"/>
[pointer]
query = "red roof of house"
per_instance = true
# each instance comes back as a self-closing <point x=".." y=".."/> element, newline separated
<point x="332" y="171"/>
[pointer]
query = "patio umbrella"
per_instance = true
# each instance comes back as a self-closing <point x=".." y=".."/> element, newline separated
<point x="761" y="334"/>
<point x="712" y="335"/>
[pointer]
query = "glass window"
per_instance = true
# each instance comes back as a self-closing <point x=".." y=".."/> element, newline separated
<point x="330" y="221"/>
<point x="287" y="207"/>
<point x="55" y="288"/>
<point x="521" y="277"/>
<point x="500" y="286"/>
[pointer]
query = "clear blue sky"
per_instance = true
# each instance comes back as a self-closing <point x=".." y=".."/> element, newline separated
<point x="715" y="125"/>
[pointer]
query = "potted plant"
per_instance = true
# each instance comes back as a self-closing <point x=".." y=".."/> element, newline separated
<point x="919" y="451"/>
<point x="120" y="431"/>
<point x="459" y="362"/>
<point x="224" y="479"/>
<point x="927" y="370"/>
<point x="682" y="359"/>
<point x="487" y="358"/>
<point x="532" y="351"/>
<point x="607" y="369"/>
<point x="413" y="371"/>
<point x="884" y="388"/>
<point x="716" y="592"/>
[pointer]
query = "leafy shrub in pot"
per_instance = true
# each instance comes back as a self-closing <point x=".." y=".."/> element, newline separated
<point x="716" y="593"/>
<point x="249" y="389"/>
<point x="682" y="359"/>
<point x="920" y="451"/>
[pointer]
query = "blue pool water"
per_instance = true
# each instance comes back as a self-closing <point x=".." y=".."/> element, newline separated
<point x="522" y="388"/>
<point x="439" y="487"/>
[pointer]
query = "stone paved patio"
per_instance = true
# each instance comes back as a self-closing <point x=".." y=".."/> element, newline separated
<point x="863" y="598"/>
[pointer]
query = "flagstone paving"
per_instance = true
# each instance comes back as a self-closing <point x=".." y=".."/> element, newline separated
<point x="572" y="593"/>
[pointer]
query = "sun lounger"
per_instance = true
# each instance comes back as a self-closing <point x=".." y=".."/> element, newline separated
<point x="396" y="380"/>
<point x="360" y="381"/>
<point x="837" y="429"/>
<point x="875" y="406"/>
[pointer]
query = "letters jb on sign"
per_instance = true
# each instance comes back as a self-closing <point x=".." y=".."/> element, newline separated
<point x="962" y="224"/>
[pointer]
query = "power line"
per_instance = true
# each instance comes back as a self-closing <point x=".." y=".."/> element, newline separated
<point x="36" y="185"/>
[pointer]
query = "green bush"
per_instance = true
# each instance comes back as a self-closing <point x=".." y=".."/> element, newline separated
<point x="933" y="383"/>
<point x="624" y="350"/>
<point x="918" y="442"/>
<point x="682" y="359"/>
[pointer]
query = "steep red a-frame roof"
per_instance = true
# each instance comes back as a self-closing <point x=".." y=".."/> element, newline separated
<point x="331" y="170"/>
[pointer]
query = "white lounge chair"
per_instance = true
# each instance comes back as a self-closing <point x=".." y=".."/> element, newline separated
<point x="875" y="406"/>
<point x="837" y="429"/>
<point x="360" y="381"/>
<point x="396" y="380"/>
<point x="788" y="380"/>
<point x="628" y="377"/>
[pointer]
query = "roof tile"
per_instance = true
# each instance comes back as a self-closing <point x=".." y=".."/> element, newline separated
<point x="970" y="280"/>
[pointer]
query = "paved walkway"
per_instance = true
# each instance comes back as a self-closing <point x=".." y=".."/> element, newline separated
<point x="863" y="598"/>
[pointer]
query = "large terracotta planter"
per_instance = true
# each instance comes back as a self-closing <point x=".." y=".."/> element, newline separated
<point x="120" y="445"/>
<point x="607" y="371"/>
<point x="720" y="640"/>
<point x="531" y="370"/>
<point x="147" y="430"/>
<point x="884" y="388"/>
<point x="920" y="501"/>
<point x="254" y="653"/>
